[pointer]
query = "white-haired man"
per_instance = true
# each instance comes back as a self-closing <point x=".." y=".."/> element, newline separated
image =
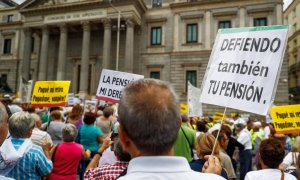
<point x="29" y="161"/>
<point x="38" y="136"/>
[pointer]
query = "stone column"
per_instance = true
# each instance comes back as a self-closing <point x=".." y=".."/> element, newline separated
<point x="176" y="32"/>
<point x="207" y="29"/>
<point x="279" y="13"/>
<point x="129" y="53"/>
<point x="44" y="54"/>
<point x="62" y="54"/>
<point x="106" y="44"/>
<point x="85" y="55"/>
<point x="242" y="17"/>
<point x="27" y="54"/>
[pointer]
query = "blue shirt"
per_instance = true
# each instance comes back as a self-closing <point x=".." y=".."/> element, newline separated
<point x="33" y="164"/>
<point x="197" y="165"/>
<point x="89" y="137"/>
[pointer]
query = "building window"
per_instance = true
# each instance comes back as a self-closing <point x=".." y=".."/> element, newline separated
<point x="155" y="74"/>
<point x="7" y="46"/>
<point x="191" y="76"/>
<point x="9" y="18"/>
<point x="260" y="22"/>
<point x="3" y="79"/>
<point x="296" y="58"/>
<point x="224" y="24"/>
<point x="32" y="45"/>
<point x="192" y="33"/>
<point x="156" y="3"/>
<point x="156" y="36"/>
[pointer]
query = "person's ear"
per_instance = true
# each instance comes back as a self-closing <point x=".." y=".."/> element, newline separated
<point x="29" y="133"/>
<point x="124" y="139"/>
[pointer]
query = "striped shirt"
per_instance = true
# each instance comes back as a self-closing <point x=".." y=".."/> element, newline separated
<point x="106" y="172"/>
<point x="32" y="165"/>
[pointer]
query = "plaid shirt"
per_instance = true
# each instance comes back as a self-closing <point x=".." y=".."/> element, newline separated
<point x="106" y="172"/>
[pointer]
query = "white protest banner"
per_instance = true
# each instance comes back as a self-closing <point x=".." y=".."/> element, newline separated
<point x="71" y="100"/>
<point x="195" y="107"/>
<point x="90" y="106"/>
<point x="244" y="67"/>
<point x="25" y="90"/>
<point x="112" y="83"/>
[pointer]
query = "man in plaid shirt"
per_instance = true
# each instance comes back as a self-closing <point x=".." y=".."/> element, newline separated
<point x="108" y="172"/>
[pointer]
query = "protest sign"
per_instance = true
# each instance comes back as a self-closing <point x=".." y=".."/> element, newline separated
<point x="218" y="116"/>
<point x="25" y="90"/>
<point x="90" y="106"/>
<point x="50" y="93"/>
<point x="244" y="67"/>
<point x="286" y="119"/>
<point x="184" y="108"/>
<point x="71" y="100"/>
<point x="112" y="83"/>
<point x="194" y="106"/>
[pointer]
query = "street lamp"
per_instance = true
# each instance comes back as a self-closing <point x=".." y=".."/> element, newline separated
<point x="118" y="34"/>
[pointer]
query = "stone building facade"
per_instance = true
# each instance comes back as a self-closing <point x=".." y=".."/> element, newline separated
<point x="166" y="39"/>
<point x="292" y="17"/>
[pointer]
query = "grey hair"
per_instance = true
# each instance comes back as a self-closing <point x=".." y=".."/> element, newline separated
<point x="69" y="133"/>
<point x="119" y="152"/>
<point x="19" y="124"/>
<point x="149" y="113"/>
<point x="35" y="117"/>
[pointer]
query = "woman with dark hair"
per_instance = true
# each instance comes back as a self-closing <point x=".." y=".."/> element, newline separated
<point x="271" y="154"/>
<point x="90" y="137"/>
<point x="65" y="163"/>
<point x="75" y="116"/>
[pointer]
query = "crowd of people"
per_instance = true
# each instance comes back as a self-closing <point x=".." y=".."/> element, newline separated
<point x="143" y="137"/>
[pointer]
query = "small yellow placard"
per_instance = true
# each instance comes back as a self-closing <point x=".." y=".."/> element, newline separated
<point x="286" y="119"/>
<point x="50" y="93"/>
<point x="184" y="108"/>
<point x="218" y="116"/>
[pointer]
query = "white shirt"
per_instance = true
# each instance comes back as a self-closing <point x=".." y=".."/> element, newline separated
<point x="288" y="159"/>
<point x="39" y="137"/>
<point x="268" y="174"/>
<point x="240" y="121"/>
<point x="266" y="132"/>
<point x="163" y="168"/>
<point x="245" y="139"/>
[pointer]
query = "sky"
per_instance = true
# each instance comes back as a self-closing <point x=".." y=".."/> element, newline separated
<point x="286" y="3"/>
